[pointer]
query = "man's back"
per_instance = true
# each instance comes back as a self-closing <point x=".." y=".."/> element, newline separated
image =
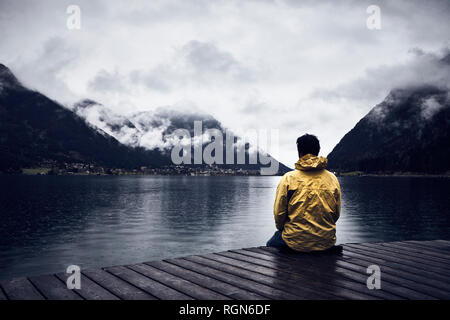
<point x="307" y="205"/>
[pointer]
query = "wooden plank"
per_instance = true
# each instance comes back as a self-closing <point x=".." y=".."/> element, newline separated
<point x="231" y="278"/>
<point x="419" y="253"/>
<point x="406" y="289"/>
<point x="399" y="259"/>
<point x="410" y="269"/>
<point x="20" y="289"/>
<point x="406" y="255"/>
<point x="348" y="278"/>
<point x="266" y="286"/>
<point x="389" y="284"/>
<point x="117" y="286"/>
<point x="358" y="273"/>
<point x="281" y="267"/>
<point x="412" y="281"/>
<point x="435" y="244"/>
<point x="186" y="287"/>
<point x="428" y="286"/>
<point x="151" y="286"/>
<point x="446" y="242"/>
<point x="89" y="289"/>
<point x="53" y="288"/>
<point x="431" y="246"/>
<point x="403" y="264"/>
<point x="430" y="278"/>
<point x="430" y="265"/>
<point x="423" y="246"/>
<point x="206" y="281"/>
<point x="323" y="283"/>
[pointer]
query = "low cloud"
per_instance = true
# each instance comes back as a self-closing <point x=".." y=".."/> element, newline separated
<point x="149" y="129"/>
<point x="420" y="69"/>
<point x="431" y="106"/>
<point x="194" y="63"/>
<point x="50" y="66"/>
<point x="206" y="61"/>
<point x="107" y="81"/>
<point x="285" y="64"/>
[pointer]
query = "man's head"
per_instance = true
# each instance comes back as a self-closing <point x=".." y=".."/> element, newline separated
<point x="308" y="143"/>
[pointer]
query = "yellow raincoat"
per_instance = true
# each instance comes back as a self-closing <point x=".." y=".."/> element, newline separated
<point x="307" y="205"/>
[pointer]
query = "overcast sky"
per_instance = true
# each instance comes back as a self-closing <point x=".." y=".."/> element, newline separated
<point x="297" y="66"/>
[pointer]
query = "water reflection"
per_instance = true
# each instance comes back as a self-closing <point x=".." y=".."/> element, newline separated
<point x="388" y="209"/>
<point x="51" y="222"/>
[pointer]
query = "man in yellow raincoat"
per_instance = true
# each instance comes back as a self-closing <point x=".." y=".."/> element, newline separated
<point x="307" y="202"/>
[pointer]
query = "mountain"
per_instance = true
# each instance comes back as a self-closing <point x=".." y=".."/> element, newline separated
<point x="146" y="129"/>
<point x="156" y="130"/>
<point x="36" y="130"/>
<point x="408" y="132"/>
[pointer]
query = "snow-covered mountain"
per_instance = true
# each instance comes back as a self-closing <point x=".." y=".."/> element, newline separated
<point x="37" y="131"/>
<point x="157" y="130"/>
<point x="147" y="129"/>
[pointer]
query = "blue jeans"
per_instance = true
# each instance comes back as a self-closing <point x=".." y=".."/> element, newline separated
<point x="277" y="241"/>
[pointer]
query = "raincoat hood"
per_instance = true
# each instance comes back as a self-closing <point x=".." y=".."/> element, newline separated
<point x="311" y="162"/>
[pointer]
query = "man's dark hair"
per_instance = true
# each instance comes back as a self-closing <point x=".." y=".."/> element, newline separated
<point x="308" y="143"/>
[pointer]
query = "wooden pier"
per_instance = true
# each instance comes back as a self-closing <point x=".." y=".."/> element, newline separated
<point x="409" y="270"/>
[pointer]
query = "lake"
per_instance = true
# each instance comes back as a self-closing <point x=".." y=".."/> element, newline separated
<point x="50" y="222"/>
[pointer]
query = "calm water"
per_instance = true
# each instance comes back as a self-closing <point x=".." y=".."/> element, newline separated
<point x="48" y="223"/>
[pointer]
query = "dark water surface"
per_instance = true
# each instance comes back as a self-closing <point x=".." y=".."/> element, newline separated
<point x="50" y="222"/>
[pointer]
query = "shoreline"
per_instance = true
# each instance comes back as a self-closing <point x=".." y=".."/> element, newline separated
<point x="44" y="171"/>
<point x="397" y="174"/>
<point x="91" y="170"/>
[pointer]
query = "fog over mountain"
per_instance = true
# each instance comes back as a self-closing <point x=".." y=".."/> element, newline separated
<point x="147" y="129"/>
<point x="39" y="132"/>
<point x="295" y="66"/>
<point x="159" y="130"/>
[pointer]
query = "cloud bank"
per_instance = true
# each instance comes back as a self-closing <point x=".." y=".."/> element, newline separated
<point x="296" y="66"/>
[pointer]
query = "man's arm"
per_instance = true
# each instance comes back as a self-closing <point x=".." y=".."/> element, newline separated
<point x="280" y="206"/>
